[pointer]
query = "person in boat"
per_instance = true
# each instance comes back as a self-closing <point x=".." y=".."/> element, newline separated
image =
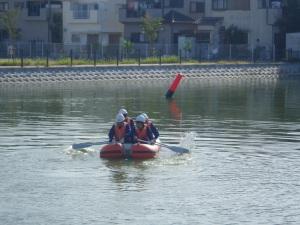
<point x="142" y="132"/>
<point x="127" y="118"/>
<point x="120" y="131"/>
<point x="151" y="126"/>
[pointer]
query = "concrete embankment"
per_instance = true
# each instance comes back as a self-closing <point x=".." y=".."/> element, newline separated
<point x="66" y="74"/>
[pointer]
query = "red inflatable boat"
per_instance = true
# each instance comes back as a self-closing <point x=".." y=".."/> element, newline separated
<point x="135" y="151"/>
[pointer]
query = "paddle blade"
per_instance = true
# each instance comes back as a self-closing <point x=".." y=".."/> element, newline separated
<point x="177" y="149"/>
<point x="87" y="144"/>
<point x="81" y="145"/>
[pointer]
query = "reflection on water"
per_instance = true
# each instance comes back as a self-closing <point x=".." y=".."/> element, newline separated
<point x="127" y="175"/>
<point x="243" y="167"/>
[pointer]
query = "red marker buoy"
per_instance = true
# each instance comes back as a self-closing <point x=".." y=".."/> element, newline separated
<point x="173" y="86"/>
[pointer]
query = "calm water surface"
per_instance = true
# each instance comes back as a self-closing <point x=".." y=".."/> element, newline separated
<point x="244" y="166"/>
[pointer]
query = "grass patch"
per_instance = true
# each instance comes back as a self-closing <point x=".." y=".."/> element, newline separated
<point x="112" y="61"/>
<point x="10" y="62"/>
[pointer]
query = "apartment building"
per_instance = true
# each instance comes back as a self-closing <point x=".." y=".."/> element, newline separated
<point x="178" y="16"/>
<point x="38" y="21"/>
<point x="92" y="22"/>
<point x="206" y="21"/>
<point x="256" y="18"/>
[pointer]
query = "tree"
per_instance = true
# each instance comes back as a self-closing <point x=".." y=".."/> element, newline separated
<point x="151" y="28"/>
<point x="234" y="35"/>
<point x="9" y="20"/>
<point x="187" y="47"/>
<point x="289" y="22"/>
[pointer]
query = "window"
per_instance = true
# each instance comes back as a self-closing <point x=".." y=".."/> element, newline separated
<point x="81" y="11"/>
<point x="33" y="8"/>
<point x="197" y="7"/>
<point x="75" y="38"/>
<point x="136" y="37"/>
<point x="261" y="4"/>
<point x="219" y="4"/>
<point x="174" y="3"/>
<point x="135" y="9"/>
<point x="3" y="35"/>
<point x="238" y="5"/>
<point x="3" y="6"/>
<point x="114" y="39"/>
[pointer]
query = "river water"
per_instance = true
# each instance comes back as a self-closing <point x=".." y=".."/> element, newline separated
<point x="244" y="165"/>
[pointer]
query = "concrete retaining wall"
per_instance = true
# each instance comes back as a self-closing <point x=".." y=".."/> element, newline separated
<point x="66" y="74"/>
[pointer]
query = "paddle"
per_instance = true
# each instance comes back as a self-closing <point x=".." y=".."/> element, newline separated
<point x="176" y="149"/>
<point x="87" y="144"/>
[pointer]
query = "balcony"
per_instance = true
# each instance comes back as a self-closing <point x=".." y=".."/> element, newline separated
<point x="82" y="17"/>
<point x="37" y="15"/>
<point x="132" y="16"/>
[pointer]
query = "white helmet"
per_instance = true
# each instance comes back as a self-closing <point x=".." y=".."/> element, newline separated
<point x="120" y="118"/>
<point x="146" y="116"/>
<point x="140" y="118"/>
<point x="123" y="111"/>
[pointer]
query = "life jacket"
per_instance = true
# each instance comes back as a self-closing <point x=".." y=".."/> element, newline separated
<point x="120" y="132"/>
<point x="142" y="133"/>
<point x="129" y="121"/>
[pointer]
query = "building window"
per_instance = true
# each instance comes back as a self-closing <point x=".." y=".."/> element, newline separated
<point x="3" y="6"/>
<point x="137" y="8"/>
<point x="174" y="3"/>
<point x="81" y="11"/>
<point x="219" y="4"/>
<point x="34" y="8"/>
<point x="197" y="7"/>
<point x="261" y="4"/>
<point x="136" y="37"/>
<point x="3" y="35"/>
<point x="75" y="38"/>
<point x="238" y="5"/>
<point x="114" y="39"/>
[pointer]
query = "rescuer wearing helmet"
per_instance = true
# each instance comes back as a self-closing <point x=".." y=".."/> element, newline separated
<point x="127" y="118"/>
<point x="120" y="131"/>
<point x="142" y="131"/>
<point x="151" y="126"/>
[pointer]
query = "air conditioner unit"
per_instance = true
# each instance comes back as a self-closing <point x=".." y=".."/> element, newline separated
<point x="276" y="5"/>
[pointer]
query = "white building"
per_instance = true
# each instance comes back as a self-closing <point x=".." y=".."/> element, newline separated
<point x="212" y="26"/>
<point x="255" y="17"/>
<point x="92" y="22"/>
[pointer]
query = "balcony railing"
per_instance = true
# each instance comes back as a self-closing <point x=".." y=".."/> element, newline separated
<point x="81" y="14"/>
<point x="40" y="14"/>
<point x="126" y="15"/>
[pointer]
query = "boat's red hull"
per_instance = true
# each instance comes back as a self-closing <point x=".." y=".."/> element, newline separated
<point x="135" y="151"/>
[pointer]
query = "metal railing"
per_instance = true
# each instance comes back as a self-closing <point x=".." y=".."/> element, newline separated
<point x="138" y="53"/>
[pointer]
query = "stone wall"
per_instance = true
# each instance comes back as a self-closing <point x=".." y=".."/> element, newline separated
<point x="67" y="74"/>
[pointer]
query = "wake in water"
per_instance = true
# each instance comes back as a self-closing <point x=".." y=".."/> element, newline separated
<point x="188" y="140"/>
<point x="80" y="153"/>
